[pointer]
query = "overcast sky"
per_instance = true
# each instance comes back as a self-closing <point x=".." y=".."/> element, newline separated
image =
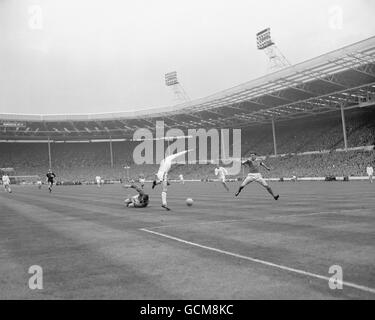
<point x="87" y="56"/>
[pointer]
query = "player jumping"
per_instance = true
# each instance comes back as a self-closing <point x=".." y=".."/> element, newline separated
<point x="222" y="172"/>
<point x="254" y="175"/>
<point x="162" y="176"/>
<point x="6" y="183"/>
<point x="50" y="179"/>
<point x="141" y="200"/>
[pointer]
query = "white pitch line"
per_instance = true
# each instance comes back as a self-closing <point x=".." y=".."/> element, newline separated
<point x="270" y="264"/>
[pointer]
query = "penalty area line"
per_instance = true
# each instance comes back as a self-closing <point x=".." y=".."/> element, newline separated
<point x="263" y="262"/>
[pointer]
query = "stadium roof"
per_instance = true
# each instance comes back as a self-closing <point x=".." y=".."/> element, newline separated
<point x="344" y="77"/>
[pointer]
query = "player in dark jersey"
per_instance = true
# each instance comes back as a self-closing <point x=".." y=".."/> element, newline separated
<point x="50" y="179"/>
<point x="141" y="200"/>
<point x="254" y="174"/>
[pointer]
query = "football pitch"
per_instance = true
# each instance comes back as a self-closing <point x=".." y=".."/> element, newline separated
<point x="90" y="246"/>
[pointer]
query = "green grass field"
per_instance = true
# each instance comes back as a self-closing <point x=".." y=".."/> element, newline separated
<point x="251" y="247"/>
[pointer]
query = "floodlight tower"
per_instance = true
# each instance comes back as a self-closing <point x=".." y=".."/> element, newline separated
<point x="277" y="60"/>
<point x="179" y="92"/>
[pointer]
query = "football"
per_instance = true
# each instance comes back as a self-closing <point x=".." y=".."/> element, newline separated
<point x="189" y="202"/>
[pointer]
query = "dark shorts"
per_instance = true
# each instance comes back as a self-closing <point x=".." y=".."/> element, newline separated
<point x="141" y="205"/>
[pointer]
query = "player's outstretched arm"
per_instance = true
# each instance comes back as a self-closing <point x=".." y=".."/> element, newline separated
<point x="133" y="186"/>
<point x="139" y="190"/>
<point x="176" y="155"/>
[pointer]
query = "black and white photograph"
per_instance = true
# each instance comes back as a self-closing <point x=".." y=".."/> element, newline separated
<point x="174" y="151"/>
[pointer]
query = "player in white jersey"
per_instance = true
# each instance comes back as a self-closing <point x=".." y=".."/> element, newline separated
<point x="221" y="173"/>
<point x="6" y="183"/>
<point x="98" y="180"/>
<point x="370" y="172"/>
<point x="162" y="175"/>
<point x="182" y="178"/>
<point x="39" y="184"/>
<point x="254" y="175"/>
<point x="142" y="180"/>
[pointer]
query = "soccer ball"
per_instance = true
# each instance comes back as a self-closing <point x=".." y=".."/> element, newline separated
<point x="189" y="202"/>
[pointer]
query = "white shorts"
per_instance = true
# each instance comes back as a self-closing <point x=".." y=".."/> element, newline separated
<point x="6" y="184"/>
<point x="222" y="179"/>
<point x="162" y="175"/>
<point x="257" y="177"/>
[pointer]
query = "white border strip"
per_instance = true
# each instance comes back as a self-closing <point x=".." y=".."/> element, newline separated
<point x="270" y="264"/>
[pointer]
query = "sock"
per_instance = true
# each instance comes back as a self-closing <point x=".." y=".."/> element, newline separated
<point x="164" y="198"/>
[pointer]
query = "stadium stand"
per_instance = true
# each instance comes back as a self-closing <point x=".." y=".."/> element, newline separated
<point x="313" y="134"/>
<point x="351" y="163"/>
<point x="83" y="161"/>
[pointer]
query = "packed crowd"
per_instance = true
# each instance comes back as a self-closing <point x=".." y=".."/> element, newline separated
<point x="317" y="133"/>
<point x="351" y="163"/>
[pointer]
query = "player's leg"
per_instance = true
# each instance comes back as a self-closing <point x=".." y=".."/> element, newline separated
<point x="156" y="181"/>
<point x="263" y="182"/>
<point x="244" y="183"/>
<point x="127" y="202"/>
<point x="226" y="186"/>
<point x="159" y="176"/>
<point x="223" y="182"/>
<point x="164" y="194"/>
<point x="131" y="202"/>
